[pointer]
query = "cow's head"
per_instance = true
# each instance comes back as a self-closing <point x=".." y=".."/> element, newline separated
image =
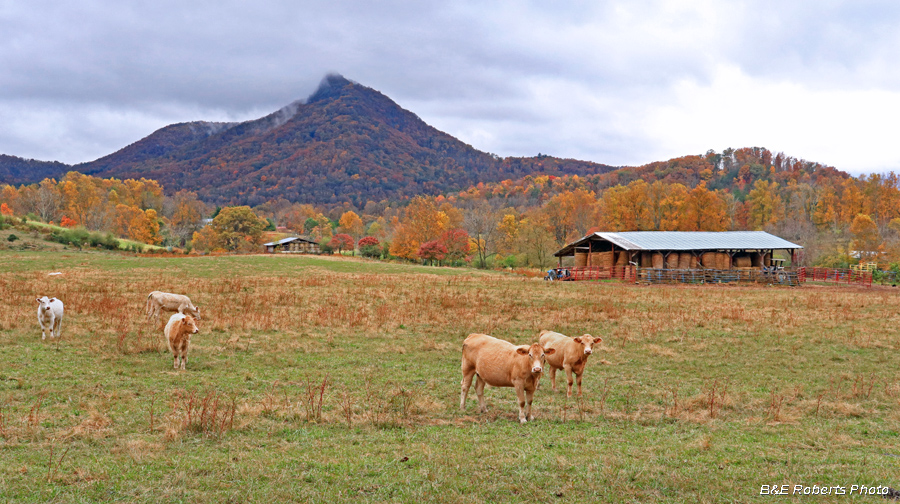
<point x="587" y="341"/>
<point x="45" y="303"/>
<point x="536" y="354"/>
<point x="189" y="325"/>
<point x="195" y="312"/>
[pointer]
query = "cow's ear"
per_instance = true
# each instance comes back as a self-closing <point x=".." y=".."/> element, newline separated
<point x="549" y="351"/>
<point x="38" y="300"/>
<point x="578" y="339"/>
<point x="52" y="299"/>
<point x="598" y="339"/>
<point x="522" y="350"/>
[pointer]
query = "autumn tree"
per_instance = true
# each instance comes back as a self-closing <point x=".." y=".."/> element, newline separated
<point x="432" y="251"/>
<point x="480" y="221"/>
<point x="457" y="243"/>
<point x="186" y="216"/>
<point x="238" y="228"/>
<point x="369" y="246"/>
<point x="341" y="242"/>
<point x="704" y="211"/>
<point x="866" y="238"/>
<point x="765" y="205"/>
<point x="351" y="224"/>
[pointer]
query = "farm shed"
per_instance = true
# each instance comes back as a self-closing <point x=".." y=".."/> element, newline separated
<point x="635" y="253"/>
<point x="294" y="245"/>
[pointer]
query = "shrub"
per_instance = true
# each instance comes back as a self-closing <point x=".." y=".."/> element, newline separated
<point x="369" y="247"/>
<point x="12" y="238"/>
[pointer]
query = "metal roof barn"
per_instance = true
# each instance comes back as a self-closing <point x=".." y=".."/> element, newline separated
<point x="682" y="241"/>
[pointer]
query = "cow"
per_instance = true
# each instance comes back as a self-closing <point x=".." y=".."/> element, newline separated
<point x="499" y="363"/>
<point x="571" y="355"/>
<point x="178" y="337"/>
<point x="158" y="301"/>
<point x="50" y="315"/>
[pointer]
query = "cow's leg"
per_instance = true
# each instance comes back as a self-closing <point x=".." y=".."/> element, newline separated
<point x="174" y="360"/>
<point x="184" y="360"/>
<point x="568" y="381"/>
<point x="479" y="391"/>
<point x="578" y="379"/>
<point x="44" y="332"/>
<point x="468" y="372"/>
<point x="57" y="325"/>
<point x="553" y="378"/>
<point x="520" y="395"/>
<point x="529" y="397"/>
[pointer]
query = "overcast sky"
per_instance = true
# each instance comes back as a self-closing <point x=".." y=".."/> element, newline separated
<point x="616" y="82"/>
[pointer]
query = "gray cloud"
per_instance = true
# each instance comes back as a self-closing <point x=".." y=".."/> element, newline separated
<point x="592" y="80"/>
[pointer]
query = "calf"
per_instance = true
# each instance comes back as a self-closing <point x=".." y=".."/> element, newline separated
<point x="178" y="337"/>
<point x="157" y="301"/>
<point x="499" y="363"/>
<point x="571" y="355"/>
<point x="50" y="315"/>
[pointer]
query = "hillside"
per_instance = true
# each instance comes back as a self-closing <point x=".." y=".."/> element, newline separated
<point x="15" y="170"/>
<point x="346" y="142"/>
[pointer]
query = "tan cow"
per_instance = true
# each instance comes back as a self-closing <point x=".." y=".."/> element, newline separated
<point x="571" y="355"/>
<point x="178" y="337"/>
<point x="499" y="363"/>
<point x="158" y="301"/>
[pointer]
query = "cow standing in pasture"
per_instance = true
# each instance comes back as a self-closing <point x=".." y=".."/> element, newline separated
<point x="499" y="363"/>
<point x="178" y="337"/>
<point x="50" y="315"/>
<point x="571" y="355"/>
<point x="158" y="301"/>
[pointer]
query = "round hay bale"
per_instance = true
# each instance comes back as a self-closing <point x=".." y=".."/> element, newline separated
<point x="684" y="260"/>
<point x="743" y="262"/>
<point x="723" y="261"/>
<point x="710" y="260"/>
<point x="695" y="262"/>
<point x="622" y="258"/>
<point x="671" y="260"/>
<point x="768" y="259"/>
<point x="607" y="259"/>
<point x="756" y="259"/>
<point x="646" y="259"/>
<point x="657" y="260"/>
<point x="581" y="259"/>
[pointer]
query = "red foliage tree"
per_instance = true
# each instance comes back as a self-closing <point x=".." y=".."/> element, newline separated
<point x="67" y="222"/>
<point x="341" y="242"/>
<point x="457" y="243"/>
<point x="433" y="251"/>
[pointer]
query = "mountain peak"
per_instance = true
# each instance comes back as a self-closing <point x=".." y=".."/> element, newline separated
<point x="330" y="87"/>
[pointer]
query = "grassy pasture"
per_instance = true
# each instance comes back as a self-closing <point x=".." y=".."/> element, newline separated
<point x="337" y="380"/>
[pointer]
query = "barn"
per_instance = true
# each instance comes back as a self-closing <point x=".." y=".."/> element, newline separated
<point x="626" y="253"/>
<point x="294" y="245"/>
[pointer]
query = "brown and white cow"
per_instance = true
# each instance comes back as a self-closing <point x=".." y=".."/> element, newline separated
<point x="499" y="363"/>
<point x="571" y="355"/>
<point x="178" y="337"/>
<point x="158" y="301"/>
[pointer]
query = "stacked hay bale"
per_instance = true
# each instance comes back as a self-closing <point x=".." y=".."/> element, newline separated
<point x="695" y="262"/>
<point x="723" y="260"/>
<point x="743" y="262"/>
<point x="622" y="258"/>
<point x="657" y="260"/>
<point x="672" y="260"/>
<point x="581" y="259"/>
<point x="684" y="260"/>
<point x="710" y="260"/>
<point x="603" y="259"/>
<point x="756" y="259"/>
<point x="646" y="259"/>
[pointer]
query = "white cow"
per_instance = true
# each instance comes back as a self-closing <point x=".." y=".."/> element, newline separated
<point x="157" y="301"/>
<point x="50" y="315"/>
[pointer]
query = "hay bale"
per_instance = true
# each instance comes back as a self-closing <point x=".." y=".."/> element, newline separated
<point x="646" y="259"/>
<point x="657" y="260"/>
<point x="695" y="262"/>
<point x="768" y="259"/>
<point x="622" y="258"/>
<point x="684" y="260"/>
<point x="743" y="262"/>
<point x="723" y="261"/>
<point x="581" y="259"/>
<point x="756" y="259"/>
<point x="607" y="259"/>
<point x="671" y="260"/>
<point x="710" y="260"/>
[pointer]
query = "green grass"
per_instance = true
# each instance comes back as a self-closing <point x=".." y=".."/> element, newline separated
<point x="803" y="386"/>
